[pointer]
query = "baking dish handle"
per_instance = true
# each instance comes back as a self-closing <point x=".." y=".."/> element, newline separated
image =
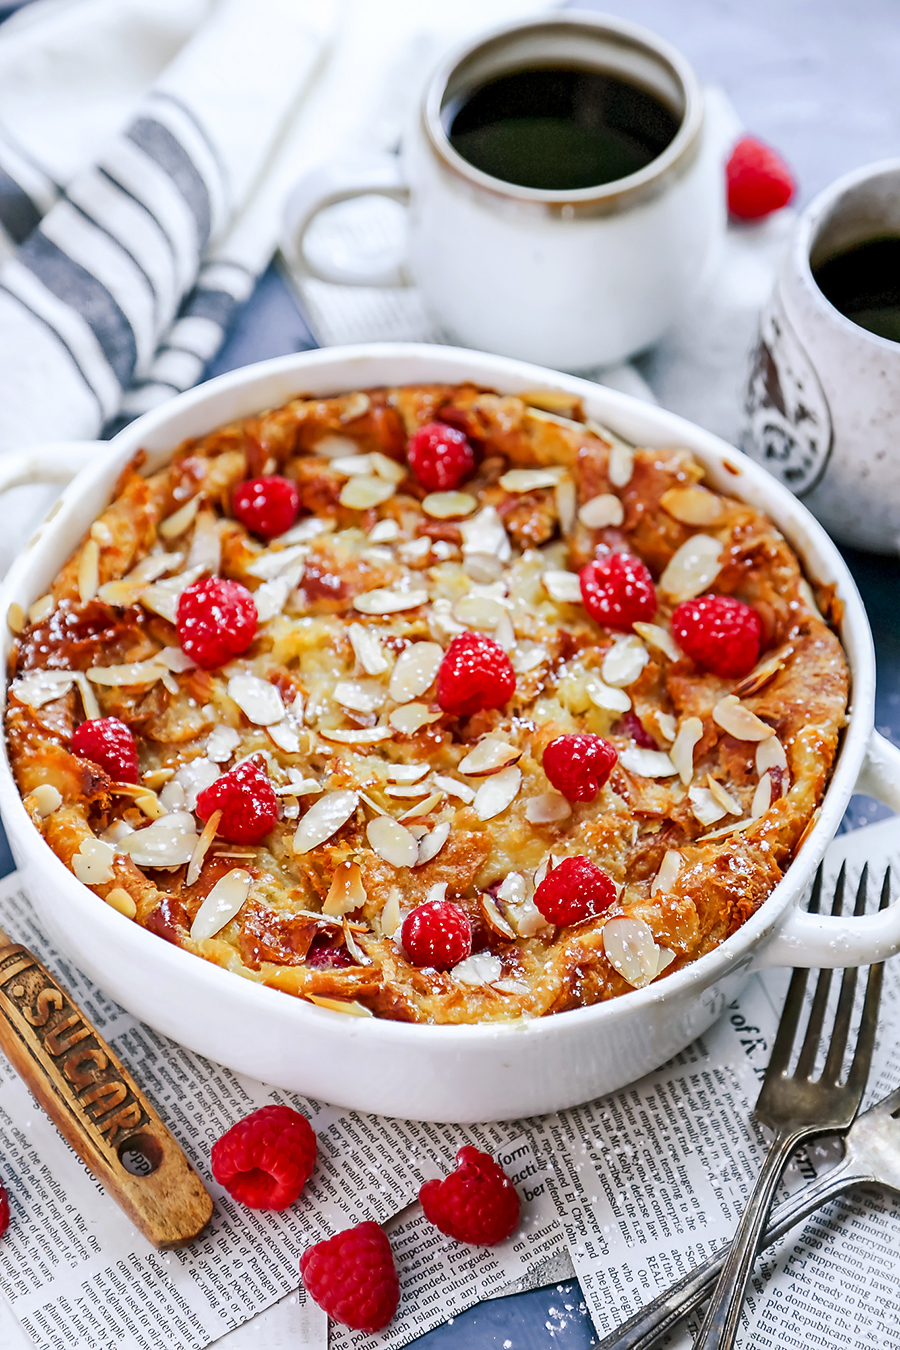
<point x="49" y="462"/>
<point x="820" y="941"/>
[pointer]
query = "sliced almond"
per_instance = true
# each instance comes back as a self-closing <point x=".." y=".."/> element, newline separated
<point x="624" y="662"/>
<point x="454" y="789"/>
<point x="412" y="717"/>
<point x="356" y="735"/>
<point x="497" y="793"/>
<point x="352" y="466"/>
<point x="486" y="534"/>
<point x="323" y="819"/>
<point x="42" y="686"/>
<point x="41" y="609"/>
<point x="364" y="492"/>
<point x="563" y="587"/>
<point x="331" y="446"/>
<point x="606" y="696"/>
<point x="206" y="543"/>
<point x="431" y="844"/>
<point x="274" y="562"/>
<point x="631" y="948"/>
<point x="162" y="596"/>
<point x="93" y="863"/>
<point x="552" y="400"/>
<point x="693" y="568"/>
<point x="179" y="520"/>
<point x="489" y="756"/>
<point x="15" y="619"/>
<point x="157" y="778"/>
<point x="388" y="469"/>
<point x="352" y="1007"/>
<point x="44" y="800"/>
<point x="169" y="842"/>
<point x="704" y="806"/>
<point x="391" y="915"/>
<point x="415" y="670"/>
<point x="668" y="873"/>
<point x="382" y="601"/>
<point x="405" y="773"/>
<point x="528" y="656"/>
<point x="723" y="797"/>
<point x="207" y="835"/>
<point x="494" y="919"/>
<point x="682" y="752"/>
<point x="657" y="637"/>
<point x="392" y="841"/>
<point x="621" y="464"/>
<point x="89" y="571"/>
<point x="355" y="406"/>
<point x="133" y="674"/>
<point x="692" y="505"/>
<point x="770" y="755"/>
<point x="762" y="797"/>
<point x="546" y="809"/>
<point x="222" y="904"/>
<point x="88" y="698"/>
<point x="423" y="808"/>
<point x="731" y="715"/>
<point x="221" y="744"/>
<point x="447" y="505"/>
<point x="482" y="567"/>
<point x="363" y="696"/>
<point x="119" y="899"/>
<point x="664" y="959"/>
<point x="482" y="968"/>
<point x="384" y="532"/>
<point x="530" y="480"/>
<point x="668" y="727"/>
<point x="479" y="612"/>
<point x="410" y="791"/>
<point x="258" y="700"/>
<point x="102" y="533"/>
<point x="346" y="892"/>
<point x="566" y="495"/>
<point x="647" y="763"/>
<point x="759" y="677"/>
<point x="285" y="737"/>
<point x="367" y="649"/>
<point x="724" y="830"/>
<point x="149" y="803"/>
<point x="602" y="511"/>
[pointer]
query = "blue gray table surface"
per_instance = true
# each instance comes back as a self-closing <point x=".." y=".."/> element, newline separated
<point x="818" y="80"/>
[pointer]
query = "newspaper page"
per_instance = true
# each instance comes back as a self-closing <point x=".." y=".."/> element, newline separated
<point x="652" y="1179"/>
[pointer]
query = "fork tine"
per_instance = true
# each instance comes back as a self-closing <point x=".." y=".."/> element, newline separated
<point x="811" y="1041"/>
<point x="834" y="1062"/>
<point x="859" y="1068"/>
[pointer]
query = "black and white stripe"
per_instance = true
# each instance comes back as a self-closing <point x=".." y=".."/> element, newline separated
<point x="27" y="192"/>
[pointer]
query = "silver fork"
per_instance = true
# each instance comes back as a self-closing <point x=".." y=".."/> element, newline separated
<point x="796" y="1108"/>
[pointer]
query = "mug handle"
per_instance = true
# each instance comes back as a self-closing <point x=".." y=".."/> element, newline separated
<point x="823" y="941"/>
<point x="341" y="181"/>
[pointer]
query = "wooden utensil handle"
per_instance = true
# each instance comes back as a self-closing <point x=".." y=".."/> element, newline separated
<point x="95" y="1103"/>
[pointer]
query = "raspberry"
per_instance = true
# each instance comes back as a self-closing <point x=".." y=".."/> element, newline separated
<point x="109" y="743"/>
<point x="721" y="634"/>
<point x="617" y="591"/>
<point x="574" y="891"/>
<point x="267" y="506"/>
<point x="475" y="673"/>
<point x="4" y="1209"/>
<point x="477" y="1203"/>
<point x="759" y="181"/>
<point x="631" y="725"/>
<point x="248" y="804"/>
<point x="265" y="1160"/>
<point x="440" y="457"/>
<point x="216" y="620"/>
<point x="437" y="934"/>
<point x="578" y="766"/>
<point x="353" y="1278"/>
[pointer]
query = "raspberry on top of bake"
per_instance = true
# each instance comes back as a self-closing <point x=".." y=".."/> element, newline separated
<point x="437" y="667"/>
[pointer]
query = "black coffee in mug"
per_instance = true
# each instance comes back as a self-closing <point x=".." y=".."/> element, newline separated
<point x="559" y="128"/>
<point x="863" y="282"/>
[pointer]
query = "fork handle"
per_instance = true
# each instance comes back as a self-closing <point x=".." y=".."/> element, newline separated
<point x="661" y="1316"/>
<point x="720" y="1324"/>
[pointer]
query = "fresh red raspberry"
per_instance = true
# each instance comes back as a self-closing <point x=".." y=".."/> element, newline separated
<point x="437" y="934"/>
<point x="578" y="766"/>
<point x="216" y="620"/>
<point x="477" y="1203"/>
<point x="617" y="591"/>
<point x="440" y="457"/>
<point x="475" y="673"/>
<point x="267" y="506"/>
<point x="109" y="743"/>
<point x="721" y="634"/>
<point x="759" y="181"/>
<point x="353" y="1278"/>
<point x="4" y="1209"/>
<point x="631" y="725"/>
<point x="265" y="1160"/>
<point x="574" y="891"/>
<point x="248" y="804"/>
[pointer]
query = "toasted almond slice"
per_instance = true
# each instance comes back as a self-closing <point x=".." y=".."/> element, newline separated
<point x="346" y="892"/>
<point x="355" y="406"/>
<point x="478" y="611"/>
<point x="762" y="797"/>
<point x="602" y="511"/>
<point x="531" y="480"/>
<point x="206" y="543"/>
<point x="384" y="532"/>
<point x="418" y="831"/>
<point x="149" y="803"/>
<point x="405" y="773"/>
<point x="388" y="469"/>
<point x="447" y="505"/>
<point x="547" y="808"/>
<point x="528" y="656"/>
<point x="41" y="609"/>
<point x="647" y="763"/>
<point x="392" y="841"/>
<point x="367" y="649"/>
<point x="16" y="620"/>
<point x="431" y="844"/>
<point x="692" y="505"/>
<point x="154" y="779"/>
<point x="352" y="466"/>
<point x="659" y="638"/>
<point x="668" y="727"/>
<point x="179" y="520"/>
<point x="168" y="842"/>
<point x="340" y="1005"/>
<point x="416" y="550"/>
<point x="489" y="756"/>
<point x="704" y="806"/>
<point x="482" y="567"/>
<point x="566" y="496"/>
<point x="504" y="633"/>
<point x="668" y="873"/>
<point x="88" y="697"/>
<point x="221" y="744"/>
<point x="606" y="696"/>
<point x="364" y="491"/>
<point x="120" y="594"/>
<point x="412" y="717"/>
<point x="624" y="662"/>
<point x="42" y="686"/>
<point x="682" y="752"/>
<point x="391" y="915"/>
<point x="563" y="587"/>
<point x="222" y="904"/>
<point x="482" y="968"/>
<point x="132" y="674"/>
<point x="276" y="561"/>
<point x="723" y="797"/>
<point x="207" y="835"/>
<point x="102" y="533"/>
<point x="631" y="948"/>
<point x="332" y="446"/>
<point x="621" y="464"/>
<point x="356" y="735"/>
<point x="285" y="737"/>
<point x="759" y="677"/>
<point x="363" y="696"/>
<point x="664" y="959"/>
<point x="258" y="700"/>
<point x="497" y="793"/>
<point x="93" y="863"/>
<point x="770" y="755"/>
<point x="119" y="899"/>
<point x="423" y="808"/>
<point x="353" y="947"/>
<point x="323" y="819"/>
<point x="494" y="919"/>
<point x="415" y="670"/>
<point x="692" y="568"/>
<point x="454" y="789"/>
<point x="731" y="715"/>
<point x="44" y="800"/>
<point x="486" y="534"/>
<point x="382" y="601"/>
<point x="162" y="596"/>
<point x="89" y="571"/>
<point x="409" y="790"/>
<point x="733" y="828"/>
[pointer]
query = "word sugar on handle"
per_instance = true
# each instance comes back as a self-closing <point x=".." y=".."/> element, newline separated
<point x="96" y="1104"/>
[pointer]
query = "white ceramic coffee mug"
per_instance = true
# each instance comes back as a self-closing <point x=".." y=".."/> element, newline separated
<point x="823" y="399"/>
<point x="574" y="279"/>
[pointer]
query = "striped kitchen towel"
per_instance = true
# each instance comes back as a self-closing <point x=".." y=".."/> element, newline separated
<point x="124" y="289"/>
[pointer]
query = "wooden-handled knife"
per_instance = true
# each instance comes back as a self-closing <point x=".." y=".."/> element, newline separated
<point x="95" y="1103"/>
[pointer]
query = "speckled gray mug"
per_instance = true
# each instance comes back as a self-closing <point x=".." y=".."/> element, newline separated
<point x="823" y="398"/>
